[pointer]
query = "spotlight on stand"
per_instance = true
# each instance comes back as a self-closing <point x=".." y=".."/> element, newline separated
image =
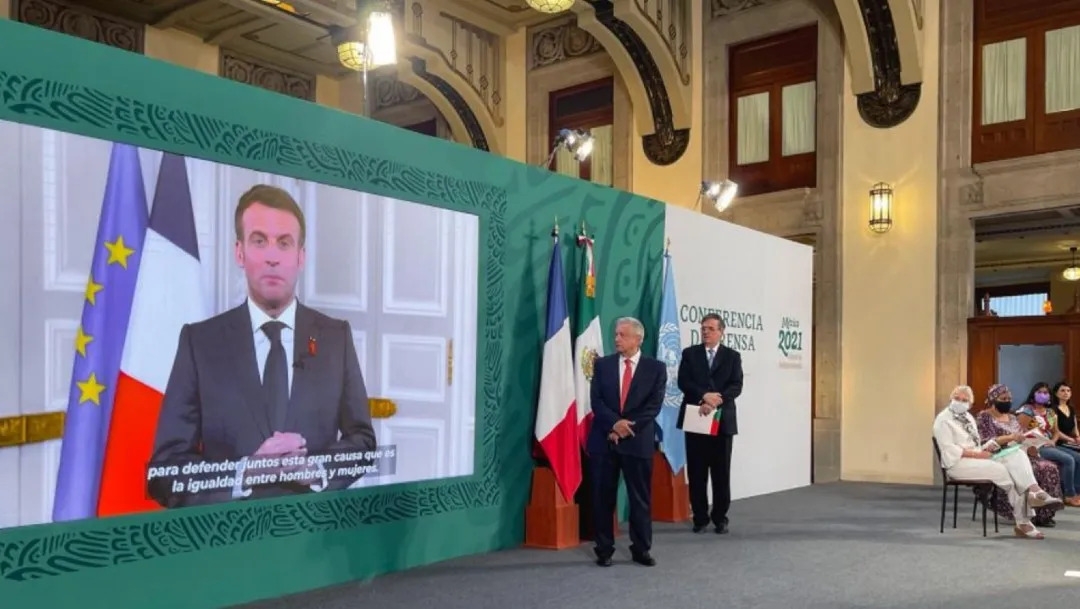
<point x="720" y="193"/>
<point x="577" y="142"/>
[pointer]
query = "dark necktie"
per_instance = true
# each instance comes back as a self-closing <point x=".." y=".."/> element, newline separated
<point x="276" y="376"/>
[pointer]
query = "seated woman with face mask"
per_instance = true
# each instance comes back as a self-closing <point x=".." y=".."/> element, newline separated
<point x="997" y="423"/>
<point x="965" y="457"/>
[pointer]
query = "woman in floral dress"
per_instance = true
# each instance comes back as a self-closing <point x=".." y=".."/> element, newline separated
<point x="997" y="423"/>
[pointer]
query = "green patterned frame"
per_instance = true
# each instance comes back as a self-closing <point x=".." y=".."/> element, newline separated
<point x="50" y="550"/>
<point x="59" y="82"/>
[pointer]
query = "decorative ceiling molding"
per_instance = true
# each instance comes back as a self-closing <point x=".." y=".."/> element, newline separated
<point x="69" y="18"/>
<point x="723" y="8"/>
<point x="552" y="44"/>
<point x="252" y="71"/>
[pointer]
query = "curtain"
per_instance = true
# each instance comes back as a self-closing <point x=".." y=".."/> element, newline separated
<point x="1063" y="69"/>
<point x="600" y="170"/>
<point x="752" y="115"/>
<point x="566" y="164"/>
<point x="1004" y="81"/>
<point x="798" y="108"/>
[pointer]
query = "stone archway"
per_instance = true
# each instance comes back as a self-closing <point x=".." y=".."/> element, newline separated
<point x="883" y="39"/>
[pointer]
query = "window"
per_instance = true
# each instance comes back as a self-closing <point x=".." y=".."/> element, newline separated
<point x="1014" y="300"/>
<point x="589" y="107"/>
<point x="773" y="112"/>
<point x="1026" y="93"/>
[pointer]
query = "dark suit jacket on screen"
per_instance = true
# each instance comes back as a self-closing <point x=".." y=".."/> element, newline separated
<point x="725" y="376"/>
<point x="215" y="409"/>
<point x="642" y="404"/>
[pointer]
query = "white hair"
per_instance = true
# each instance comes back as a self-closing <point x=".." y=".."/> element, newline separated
<point x="963" y="390"/>
<point x="639" y="329"/>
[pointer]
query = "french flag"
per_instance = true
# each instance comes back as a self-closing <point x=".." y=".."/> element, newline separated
<point x="556" y="413"/>
<point x="168" y="294"/>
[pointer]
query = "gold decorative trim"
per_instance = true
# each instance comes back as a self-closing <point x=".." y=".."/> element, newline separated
<point x="31" y="428"/>
<point x="45" y="426"/>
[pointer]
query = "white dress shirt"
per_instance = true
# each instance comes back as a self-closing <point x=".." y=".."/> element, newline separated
<point x="262" y="341"/>
<point x="262" y="351"/>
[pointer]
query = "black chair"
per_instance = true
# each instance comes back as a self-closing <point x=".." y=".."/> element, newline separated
<point x="976" y="485"/>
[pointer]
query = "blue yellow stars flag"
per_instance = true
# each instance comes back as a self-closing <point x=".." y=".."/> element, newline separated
<point x="99" y="340"/>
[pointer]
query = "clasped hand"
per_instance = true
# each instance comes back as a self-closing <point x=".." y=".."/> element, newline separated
<point x="282" y="445"/>
<point x="710" y="402"/>
<point x="622" y="429"/>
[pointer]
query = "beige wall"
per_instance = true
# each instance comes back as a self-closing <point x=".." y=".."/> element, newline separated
<point x="516" y="94"/>
<point x="889" y="288"/>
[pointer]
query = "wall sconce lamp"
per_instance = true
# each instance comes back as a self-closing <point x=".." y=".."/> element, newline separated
<point x="721" y="194"/>
<point x="1073" y="272"/>
<point x="369" y="44"/>
<point x="577" y="142"/>
<point x="881" y="198"/>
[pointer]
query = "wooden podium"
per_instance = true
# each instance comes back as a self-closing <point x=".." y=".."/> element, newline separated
<point x="670" y="494"/>
<point x="551" y="522"/>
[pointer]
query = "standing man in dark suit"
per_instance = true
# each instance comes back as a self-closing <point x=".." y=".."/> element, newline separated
<point x="711" y="376"/>
<point x="268" y="379"/>
<point x="626" y="391"/>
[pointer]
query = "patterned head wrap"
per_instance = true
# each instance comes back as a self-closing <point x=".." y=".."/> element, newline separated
<point x="995" y="392"/>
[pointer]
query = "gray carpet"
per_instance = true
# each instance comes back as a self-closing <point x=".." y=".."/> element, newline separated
<point x="837" y="546"/>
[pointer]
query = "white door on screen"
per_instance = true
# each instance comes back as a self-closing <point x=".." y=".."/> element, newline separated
<point x="404" y="275"/>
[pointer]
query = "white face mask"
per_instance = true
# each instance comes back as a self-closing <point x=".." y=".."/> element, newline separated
<point x="959" y="407"/>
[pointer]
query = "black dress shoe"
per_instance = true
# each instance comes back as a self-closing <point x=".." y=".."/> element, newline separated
<point x="721" y="529"/>
<point x="699" y="528"/>
<point x="603" y="561"/>
<point x="644" y="559"/>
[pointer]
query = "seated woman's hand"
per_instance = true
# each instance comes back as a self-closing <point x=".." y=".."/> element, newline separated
<point x="980" y="454"/>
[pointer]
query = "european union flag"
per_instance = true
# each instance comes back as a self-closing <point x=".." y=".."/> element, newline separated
<point x="669" y="351"/>
<point x="99" y="340"/>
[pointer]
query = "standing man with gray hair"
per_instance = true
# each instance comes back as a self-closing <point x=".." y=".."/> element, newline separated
<point x="626" y="391"/>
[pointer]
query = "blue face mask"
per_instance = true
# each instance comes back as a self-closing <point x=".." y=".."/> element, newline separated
<point x="1042" y="397"/>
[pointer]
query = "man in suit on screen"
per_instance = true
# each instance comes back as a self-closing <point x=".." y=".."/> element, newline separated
<point x="626" y="392"/>
<point x="711" y="376"/>
<point x="270" y="378"/>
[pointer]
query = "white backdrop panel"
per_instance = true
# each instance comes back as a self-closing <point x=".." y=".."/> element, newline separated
<point x="762" y="286"/>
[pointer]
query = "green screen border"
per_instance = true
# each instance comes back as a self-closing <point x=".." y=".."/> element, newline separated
<point x="68" y="88"/>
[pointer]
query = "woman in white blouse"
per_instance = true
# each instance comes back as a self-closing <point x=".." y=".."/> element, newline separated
<point x="964" y="458"/>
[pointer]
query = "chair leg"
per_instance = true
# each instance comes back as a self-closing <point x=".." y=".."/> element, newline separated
<point x="974" y="505"/>
<point x="944" y="495"/>
<point x="993" y="500"/>
<point x="984" y="517"/>
<point x="955" y="499"/>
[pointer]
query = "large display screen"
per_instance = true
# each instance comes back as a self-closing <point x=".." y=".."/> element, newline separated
<point x="216" y="334"/>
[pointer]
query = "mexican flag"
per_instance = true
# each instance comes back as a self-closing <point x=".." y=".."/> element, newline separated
<point x="588" y="339"/>
<point x="589" y="345"/>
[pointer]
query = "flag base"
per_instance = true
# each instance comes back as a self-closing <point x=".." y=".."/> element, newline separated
<point x="551" y="522"/>
<point x="670" y="493"/>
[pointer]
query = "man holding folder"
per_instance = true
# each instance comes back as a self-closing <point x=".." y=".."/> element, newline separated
<point x="710" y="378"/>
